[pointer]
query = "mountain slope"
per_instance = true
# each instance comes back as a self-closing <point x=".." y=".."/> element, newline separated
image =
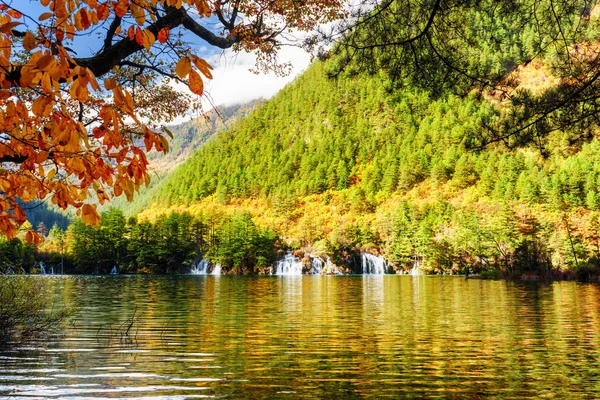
<point x="187" y="137"/>
<point x="349" y="164"/>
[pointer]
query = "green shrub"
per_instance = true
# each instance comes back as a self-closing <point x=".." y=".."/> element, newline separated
<point x="26" y="308"/>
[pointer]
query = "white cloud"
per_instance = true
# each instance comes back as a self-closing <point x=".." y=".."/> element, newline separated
<point x="234" y="83"/>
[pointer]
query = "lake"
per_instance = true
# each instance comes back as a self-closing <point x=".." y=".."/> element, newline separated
<point x="313" y="337"/>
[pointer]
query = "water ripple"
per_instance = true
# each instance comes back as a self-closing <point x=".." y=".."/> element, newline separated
<point x="314" y="338"/>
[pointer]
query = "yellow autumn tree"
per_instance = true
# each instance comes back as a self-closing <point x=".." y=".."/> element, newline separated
<point x="78" y="128"/>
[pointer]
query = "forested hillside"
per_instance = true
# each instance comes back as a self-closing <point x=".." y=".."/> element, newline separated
<point x="350" y="163"/>
<point x="187" y="137"/>
<point x="348" y="159"/>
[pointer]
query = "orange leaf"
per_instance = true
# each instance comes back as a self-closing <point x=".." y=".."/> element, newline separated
<point x="103" y="11"/>
<point x="14" y="13"/>
<point x="109" y="84"/>
<point x="45" y="63"/>
<point x="45" y="16"/>
<point x="196" y="84"/>
<point x="29" y="41"/>
<point x="19" y="214"/>
<point x="89" y="215"/>
<point x="8" y="26"/>
<point x="139" y="37"/>
<point x="85" y="21"/>
<point x="183" y="67"/>
<point x="121" y="8"/>
<point x="203" y="66"/>
<point x="163" y="35"/>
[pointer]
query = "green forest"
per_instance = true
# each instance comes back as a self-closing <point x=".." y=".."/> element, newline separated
<point x="345" y="160"/>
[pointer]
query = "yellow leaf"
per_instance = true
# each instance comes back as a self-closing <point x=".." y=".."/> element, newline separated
<point x="196" y="84"/>
<point x="149" y="39"/>
<point x="183" y="67"/>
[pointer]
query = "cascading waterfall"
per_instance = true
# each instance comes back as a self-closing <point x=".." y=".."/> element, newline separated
<point x="316" y="264"/>
<point x="42" y="268"/>
<point x="114" y="270"/>
<point x="200" y="268"/>
<point x="290" y="265"/>
<point x="415" y="269"/>
<point x="51" y="272"/>
<point x="372" y="265"/>
<point x="23" y="271"/>
<point x="331" y="268"/>
<point x="216" y="270"/>
<point x="9" y="271"/>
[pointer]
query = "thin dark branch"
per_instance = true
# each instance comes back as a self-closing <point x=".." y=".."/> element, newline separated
<point x="111" y="32"/>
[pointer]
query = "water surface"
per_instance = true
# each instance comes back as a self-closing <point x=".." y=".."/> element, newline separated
<point x="313" y="337"/>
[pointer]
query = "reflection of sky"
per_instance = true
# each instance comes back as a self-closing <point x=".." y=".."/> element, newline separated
<point x="232" y="83"/>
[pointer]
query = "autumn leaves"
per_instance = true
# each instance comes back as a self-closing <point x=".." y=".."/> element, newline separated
<point x="61" y="134"/>
<point x="184" y="69"/>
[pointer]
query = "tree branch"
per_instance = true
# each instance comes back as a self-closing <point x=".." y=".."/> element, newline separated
<point x="111" y="32"/>
<point x="152" y="67"/>
<point x="17" y="159"/>
<point x="422" y="33"/>
<point x="111" y="56"/>
<point x="205" y="34"/>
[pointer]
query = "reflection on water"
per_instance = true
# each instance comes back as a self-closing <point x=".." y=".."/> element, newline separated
<point x="314" y="337"/>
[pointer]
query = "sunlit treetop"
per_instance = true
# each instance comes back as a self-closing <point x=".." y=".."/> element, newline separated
<point x="77" y="128"/>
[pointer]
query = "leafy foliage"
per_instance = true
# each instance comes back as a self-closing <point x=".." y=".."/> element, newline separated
<point x="169" y="245"/>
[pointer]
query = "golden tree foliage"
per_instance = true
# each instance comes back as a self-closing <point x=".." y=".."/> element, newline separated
<point x="70" y="136"/>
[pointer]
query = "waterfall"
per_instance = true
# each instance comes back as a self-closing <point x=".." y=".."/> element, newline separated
<point x="51" y="272"/>
<point x="23" y="271"/>
<point x="9" y="271"/>
<point x="200" y="268"/>
<point x="316" y="265"/>
<point x="330" y="267"/>
<point x="216" y="270"/>
<point x="114" y="271"/>
<point x="415" y="269"/>
<point x="290" y="265"/>
<point x="42" y="268"/>
<point x="372" y="265"/>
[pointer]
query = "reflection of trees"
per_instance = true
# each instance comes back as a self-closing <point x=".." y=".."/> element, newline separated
<point x="326" y="337"/>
